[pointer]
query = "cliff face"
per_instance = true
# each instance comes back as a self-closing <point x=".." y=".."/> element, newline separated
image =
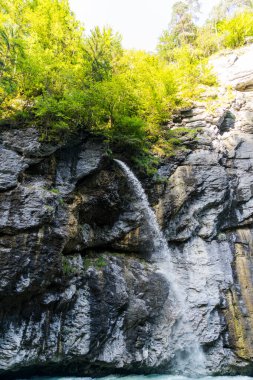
<point x="79" y="292"/>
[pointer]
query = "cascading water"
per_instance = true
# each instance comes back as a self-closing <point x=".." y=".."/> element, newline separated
<point x="158" y="244"/>
<point x="189" y="358"/>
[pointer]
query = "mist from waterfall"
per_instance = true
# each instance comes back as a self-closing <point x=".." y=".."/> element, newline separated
<point x="189" y="358"/>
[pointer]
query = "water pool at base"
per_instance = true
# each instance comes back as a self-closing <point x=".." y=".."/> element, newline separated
<point x="149" y="377"/>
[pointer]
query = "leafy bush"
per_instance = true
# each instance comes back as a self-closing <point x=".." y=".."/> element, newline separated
<point x="62" y="81"/>
<point x="234" y="31"/>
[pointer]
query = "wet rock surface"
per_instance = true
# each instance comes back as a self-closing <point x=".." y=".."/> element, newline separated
<point x="80" y="295"/>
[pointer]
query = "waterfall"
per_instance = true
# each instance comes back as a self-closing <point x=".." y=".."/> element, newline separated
<point x="157" y="241"/>
<point x="189" y="358"/>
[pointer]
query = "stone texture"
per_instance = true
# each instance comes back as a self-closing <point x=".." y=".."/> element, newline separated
<point x="27" y="142"/>
<point x="11" y="167"/>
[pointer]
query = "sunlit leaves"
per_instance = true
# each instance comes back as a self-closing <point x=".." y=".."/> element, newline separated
<point x="102" y="51"/>
<point x="56" y="77"/>
<point x="235" y="31"/>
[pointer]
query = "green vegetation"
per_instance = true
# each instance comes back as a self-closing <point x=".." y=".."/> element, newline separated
<point x="55" y="191"/>
<point x="62" y="81"/>
<point x="67" y="268"/>
<point x="228" y="26"/>
<point x="236" y="30"/>
<point x="98" y="262"/>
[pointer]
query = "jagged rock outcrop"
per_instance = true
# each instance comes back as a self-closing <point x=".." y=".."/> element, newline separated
<point x="79" y="292"/>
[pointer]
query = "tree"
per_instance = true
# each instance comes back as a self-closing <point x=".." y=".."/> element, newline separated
<point x="227" y="8"/>
<point x="234" y="31"/>
<point x="102" y="51"/>
<point x="182" y="25"/>
<point x="61" y="81"/>
<point x="182" y="28"/>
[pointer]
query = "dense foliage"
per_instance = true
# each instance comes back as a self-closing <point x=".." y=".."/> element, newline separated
<point x="55" y="77"/>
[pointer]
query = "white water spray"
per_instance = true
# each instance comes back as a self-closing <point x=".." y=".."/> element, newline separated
<point x="159" y="246"/>
<point x="189" y="357"/>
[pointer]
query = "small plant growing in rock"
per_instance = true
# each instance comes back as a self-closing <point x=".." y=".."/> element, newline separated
<point x="95" y="262"/>
<point x="67" y="268"/>
<point x="55" y="191"/>
<point x="100" y="262"/>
